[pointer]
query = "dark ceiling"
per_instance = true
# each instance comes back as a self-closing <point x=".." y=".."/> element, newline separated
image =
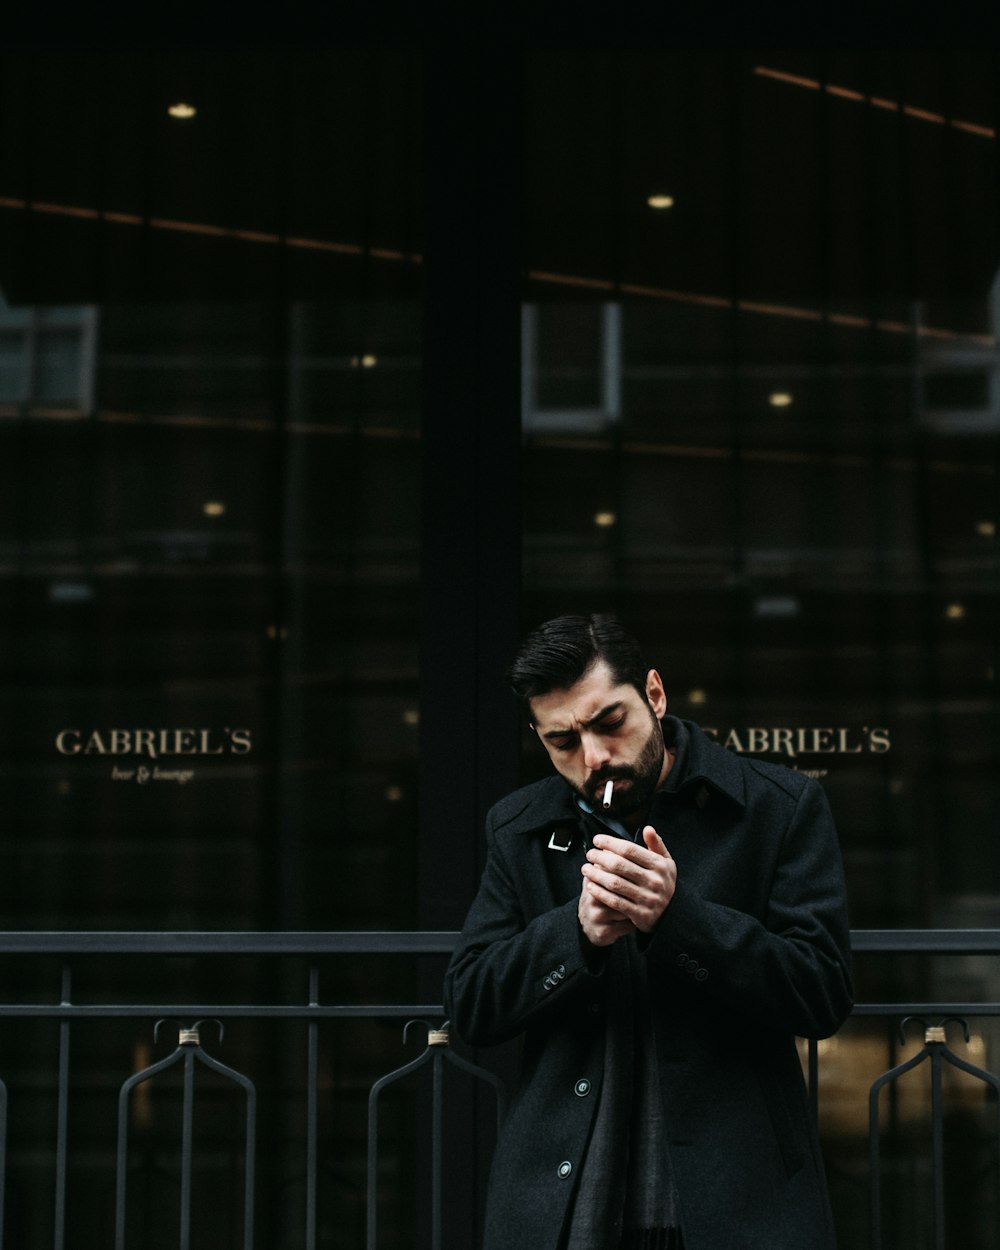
<point x="839" y="178"/>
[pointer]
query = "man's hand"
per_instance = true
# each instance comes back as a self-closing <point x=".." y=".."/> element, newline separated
<point x="602" y="926"/>
<point x="626" y="885"/>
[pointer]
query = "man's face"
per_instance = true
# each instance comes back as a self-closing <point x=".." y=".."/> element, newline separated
<point x="596" y="731"/>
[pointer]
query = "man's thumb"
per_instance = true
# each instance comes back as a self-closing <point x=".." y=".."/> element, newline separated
<point x="654" y="842"/>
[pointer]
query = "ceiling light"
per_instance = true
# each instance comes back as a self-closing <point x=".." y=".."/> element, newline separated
<point x="604" y="519"/>
<point x="660" y="201"/>
<point x="411" y="716"/>
<point x="955" y="611"/>
<point x="214" y="508"/>
<point x="779" y="399"/>
<point x="987" y="529"/>
<point x="393" y="793"/>
<point x="182" y="112"/>
<point x="697" y="697"/>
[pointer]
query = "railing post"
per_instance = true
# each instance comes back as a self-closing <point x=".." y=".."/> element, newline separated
<point x="188" y="1050"/>
<point x="62" y="1114"/>
<point x="312" y="1111"/>
<point x="189" y="1039"/>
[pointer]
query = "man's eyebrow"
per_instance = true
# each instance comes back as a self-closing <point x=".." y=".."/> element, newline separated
<point x="598" y="716"/>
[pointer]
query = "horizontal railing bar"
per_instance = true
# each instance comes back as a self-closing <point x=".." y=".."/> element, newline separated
<point x="188" y="1011"/>
<point x="926" y="1009"/>
<point x="411" y="942"/>
<point x="224" y="943"/>
<point x="379" y="1011"/>
<point x="926" y="941"/>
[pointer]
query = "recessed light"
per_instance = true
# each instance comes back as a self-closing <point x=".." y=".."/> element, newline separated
<point x="660" y="201"/>
<point x="779" y="399"/>
<point x="955" y="611"/>
<point x="411" y="716"/>
<point x="697" y="696"/>
<point x="987" y="529"/>
<point x="214" y="507"/>
<point x="604" y="519"/>
<point x="182" y="112"/>
<point x="393" y="793"/>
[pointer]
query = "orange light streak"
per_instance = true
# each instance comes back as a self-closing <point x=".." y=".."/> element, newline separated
<point x="206" y="229"/>
<point x="565" y="279"/>
<point x="761" y="309"/>
<point x="536" y="275"/>
<point x="847" y="93"/>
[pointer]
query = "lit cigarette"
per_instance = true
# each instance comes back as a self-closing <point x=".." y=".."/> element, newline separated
<point x="607" y="794"/>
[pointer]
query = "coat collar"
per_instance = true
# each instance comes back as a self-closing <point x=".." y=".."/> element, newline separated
<point x="550" y="802"/>
<point x="708" y="762"/>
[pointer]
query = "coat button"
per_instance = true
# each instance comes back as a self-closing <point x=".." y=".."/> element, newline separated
<point x="565" y="1168"/>
<point x="547" y="983"/>
<point x="582" y="1088"/>
<point x="682" y="961"/>
<point x="701" y="974"/>
<point x="691" y="966"/>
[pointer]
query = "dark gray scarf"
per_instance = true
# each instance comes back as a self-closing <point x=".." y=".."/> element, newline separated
<point x="625" y="1195"/>
<point x="625" y="1186"/>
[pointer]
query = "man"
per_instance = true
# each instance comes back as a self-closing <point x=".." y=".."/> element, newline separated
<point x="658" y="957"/>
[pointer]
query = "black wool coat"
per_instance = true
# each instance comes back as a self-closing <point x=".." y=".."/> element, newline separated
<point x="752" y="951"/>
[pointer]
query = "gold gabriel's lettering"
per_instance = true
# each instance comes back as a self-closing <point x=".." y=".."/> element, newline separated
<point x="205" y="737"/>
<point x="68" y="741"/>
<point x="880" y="741"/>
<point x="792" y="742"/>
<point x="154" y="743"/>
<point x="757" y="740"/>
<point x="843" y="748"/>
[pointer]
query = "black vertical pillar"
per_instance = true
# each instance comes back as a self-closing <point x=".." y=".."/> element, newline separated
<point x="470" y="556"/>
<point x="470" y="572"/>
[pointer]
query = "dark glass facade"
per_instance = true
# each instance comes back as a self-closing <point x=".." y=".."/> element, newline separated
<point x="313" y="399"/>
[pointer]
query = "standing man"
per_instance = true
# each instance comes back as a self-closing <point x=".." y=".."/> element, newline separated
<point x="657" y="944"/>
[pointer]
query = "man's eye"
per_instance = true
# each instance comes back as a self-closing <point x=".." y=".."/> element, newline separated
<point x="567" y="745"/>
<point x="608" y="725"/>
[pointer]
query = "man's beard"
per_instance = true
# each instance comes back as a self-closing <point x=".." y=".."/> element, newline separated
<point x="644" y="775"/>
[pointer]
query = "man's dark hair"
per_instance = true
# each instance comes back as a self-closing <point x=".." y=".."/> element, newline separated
<point x="557" y="654"/>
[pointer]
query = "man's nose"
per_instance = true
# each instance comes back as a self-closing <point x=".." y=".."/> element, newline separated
<point x="595" y="752"/>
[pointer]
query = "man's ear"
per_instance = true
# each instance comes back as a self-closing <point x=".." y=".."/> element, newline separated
<point x="656" y="696"/>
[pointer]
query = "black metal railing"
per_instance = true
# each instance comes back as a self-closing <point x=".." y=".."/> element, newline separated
<point x="61" y="984"/>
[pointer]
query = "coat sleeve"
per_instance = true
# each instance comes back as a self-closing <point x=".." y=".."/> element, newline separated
<point x="788" y="969"/>
<point x="509" y="973"/>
